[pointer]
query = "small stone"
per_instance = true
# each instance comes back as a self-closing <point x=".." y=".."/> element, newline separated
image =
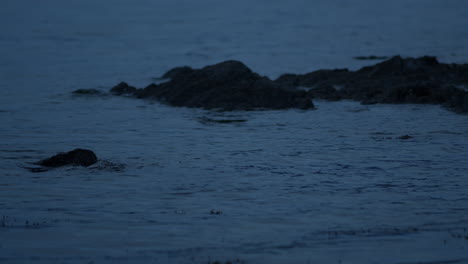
<point x="123" y="89"/>
<point x="405" y="137"/>
<point x="215" y="212"/>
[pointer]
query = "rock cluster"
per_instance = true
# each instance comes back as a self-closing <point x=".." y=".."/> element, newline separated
<point x="397" y="80"/>
<point x="229" y="85"/>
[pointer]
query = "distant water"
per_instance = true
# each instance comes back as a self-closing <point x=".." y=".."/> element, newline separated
<point x="333" y="185"/>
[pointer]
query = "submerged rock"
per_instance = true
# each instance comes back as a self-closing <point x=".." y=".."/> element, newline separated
<point x="206" y="120"/>
<point x="397" y="80"/>
<point x="405" y="137"/>
<point x="79" y="157"/>
<point x="372" y="57"/>
<point x="87" y="92"/>
<point x="215" y="212"/>
<point x="228" y="85"/>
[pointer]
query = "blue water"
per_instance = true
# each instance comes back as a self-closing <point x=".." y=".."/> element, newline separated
<point x="332" y="185"/>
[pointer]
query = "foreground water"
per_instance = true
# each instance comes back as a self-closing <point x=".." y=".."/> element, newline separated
<point x="333" y="185"/>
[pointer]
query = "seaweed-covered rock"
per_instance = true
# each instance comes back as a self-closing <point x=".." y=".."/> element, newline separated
<point x="228" y="85"/>
<point x="79" y="157"/>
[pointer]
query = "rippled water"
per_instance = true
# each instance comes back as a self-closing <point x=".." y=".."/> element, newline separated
<point x="333" y="185"/>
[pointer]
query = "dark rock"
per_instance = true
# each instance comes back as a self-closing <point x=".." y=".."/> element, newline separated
<point x="405" y="137"/>
<point x="422" y="92"/>
<point x="316" y="78"/>
<point x="458" y="102"/>
<point x="229" y="85"/>
<point x="397" y="80"/>
<point x="177" y="71"/>
<point x="325" y="91"/>
<point x="206" y="120"/>
<point x="372" y="57"/>
<point x="215" y="212"/>
<point x="410" y="67"/>
<point x="87" y="92"/>
<point x="123" y="89"/>
<point x="423" y="81"/>
<point x="80" y="157"/>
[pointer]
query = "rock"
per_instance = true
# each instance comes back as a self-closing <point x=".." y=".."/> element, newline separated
<point x="417" y="68"/>
<point x="405" y="137"/>
<point x="80" y="157"/>
<point x="228" y="85"/>
<point x="87" y="92"/>
<point x="177" y="71"/>
<point x="123" y="89"/>
<point x="458" y="102"/>
<point x="325" y="91"/>
<point x="398" y="80"/>
<point x="372" y="57"/>
<point x="316" y="78"/>
<point x="423" y="81"/>
<point x="215" y="212"/>
<point x="206" y="120"/>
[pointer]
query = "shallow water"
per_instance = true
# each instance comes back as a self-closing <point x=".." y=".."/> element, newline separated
<point x="332" y="185"/>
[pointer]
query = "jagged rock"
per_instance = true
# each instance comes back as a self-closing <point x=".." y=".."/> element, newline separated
<point x="372" y="57"/>
<point x="397" y="80"/>
<point x="177" y="71"/>
<point x="325" y="91"/>
<point x="458" y="103"/>
<point x="86" y="92"/>
<point x="80" y="157"/>
<point x="316" y="78"/>
<point x="228" y="85"/>
<point x="421" y="80"/>
<point x="123" y="89"/>
<point x="397" y="66"/>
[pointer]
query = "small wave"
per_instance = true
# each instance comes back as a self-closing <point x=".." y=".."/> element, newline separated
<point x="105" y="165"/>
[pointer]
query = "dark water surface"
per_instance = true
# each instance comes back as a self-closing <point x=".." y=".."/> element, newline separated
<point x="175" y="185"/>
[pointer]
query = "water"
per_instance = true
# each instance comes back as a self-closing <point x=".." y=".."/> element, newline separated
<point x="333" y="185"/>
